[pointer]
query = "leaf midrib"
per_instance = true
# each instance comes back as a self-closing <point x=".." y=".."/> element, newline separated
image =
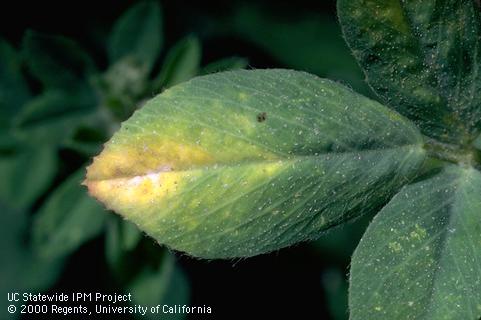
<point x="295" y="158"/>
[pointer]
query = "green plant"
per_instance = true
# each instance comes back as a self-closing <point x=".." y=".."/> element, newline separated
<point x="57" y="108"/>
<point x="242" y="163"/>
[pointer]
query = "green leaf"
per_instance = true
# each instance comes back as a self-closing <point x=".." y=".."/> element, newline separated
<point x="421" y="57"/>
<point x="56" y="61"/>
<point x="14" y="91"/>
<point x="121" y="239"/>
<point x="131" y="235"/>
<point x="21" y="270"/>
<point x="181" y="64"/>
<point x="8" y="141"/>
<point x="68" y="219"/>
<point x="245" y="162"/>
<point x="53" y="116"/>
<point x="420" y="257"/>
<point x="226" y="64"/>
<point x="164" y="285"/>
<point x="138" y="33"/>
<point x="88" y="139"/>
<point x="26" y="175"/>
<point x="143" y="269"/>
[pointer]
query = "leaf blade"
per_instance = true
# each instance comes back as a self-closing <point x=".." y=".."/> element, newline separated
<point x="68" y="219"/>
<point x="138" y="33"/>
<point x="56" y="61"/>
<point x="421" y="58"/>
<point x="22" y="268"/>
<point x="181" y="64"/>
<point x="254" y="153"/>
<point x="20" y="188"/>
<point x="164" y="285"/>
<point x="419" y="257"/>
<point x="225" y="64"/>
<point x="14" y="91"/>
<point x="53" y="116"/>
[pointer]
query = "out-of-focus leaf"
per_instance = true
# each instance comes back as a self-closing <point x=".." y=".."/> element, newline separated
<point x="131" y="235"/>
<point x="421" y="57"/>
<point x="336" y="289"/>
<point x="226" y="64"/>
<point x="9" y="142"/>
<point x="88" y="139"/>
<point x="420" y="257"/>
<point x="310" y="43"/>
<point x="144" y="269"/>
<point x="138" y="33"/>
<point x="52" y="117"/>
<point x="68" y="219"/>
<point x="122" y="237"/>
<point x="114" y="252"/>
<point x="181" y="64"/>
<point x="88" y="149"/>
<point x="26" y="174"/>
<point x="21" y="269"/>
<point x="165" y="285"/>
<point x="56" y="61"/>
<point x="13" y="88"/>
<point x="240" y="163"/>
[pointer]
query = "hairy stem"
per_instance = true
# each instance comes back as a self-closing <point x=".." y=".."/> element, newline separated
<point x="466" y="156"/>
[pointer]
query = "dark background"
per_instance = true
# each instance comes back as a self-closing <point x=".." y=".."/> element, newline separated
<point x="306" y="281"/>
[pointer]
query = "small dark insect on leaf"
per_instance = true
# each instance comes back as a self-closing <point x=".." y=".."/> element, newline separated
<point x="261" y="117"/>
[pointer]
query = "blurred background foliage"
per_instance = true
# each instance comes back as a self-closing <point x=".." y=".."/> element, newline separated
<point x="71" y="73"/>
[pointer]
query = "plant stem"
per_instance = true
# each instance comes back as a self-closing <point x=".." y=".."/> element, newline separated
<point x="453" y="153"/>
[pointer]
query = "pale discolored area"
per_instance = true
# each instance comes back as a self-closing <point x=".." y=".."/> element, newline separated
<point x="196" y="170"/>
<point x="423" y="58"/>
<point x="420" y="257"/>
<point x="146" y="155"/>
